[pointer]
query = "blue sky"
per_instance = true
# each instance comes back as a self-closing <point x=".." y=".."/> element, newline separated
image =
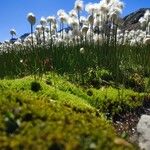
<point x="13" y="12"/>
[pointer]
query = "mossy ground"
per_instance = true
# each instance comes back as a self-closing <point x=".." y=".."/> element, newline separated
<point x="60" y="115"/>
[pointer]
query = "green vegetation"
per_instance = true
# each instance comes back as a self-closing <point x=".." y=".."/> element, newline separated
<point x="52" y="113"/>
<point x="65" y="90"/>
<point x="121" y="61"/>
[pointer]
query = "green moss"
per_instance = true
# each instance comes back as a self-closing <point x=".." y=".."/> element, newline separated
<point x="43" y="123"/>
<point x="105" y="99"/>
<point x="60" y="115"/>
<point x="115" y="101"/>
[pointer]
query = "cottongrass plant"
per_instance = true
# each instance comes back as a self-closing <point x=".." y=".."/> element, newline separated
<point x="95" y="41"/>
<point x="12" y="33"/>
<point x="32" y="20"/>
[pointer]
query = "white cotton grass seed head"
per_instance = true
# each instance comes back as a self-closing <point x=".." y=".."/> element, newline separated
<point x="96" y="8"/>
<point x="60" y="12"/>
<point x="90" y="8"/>
<point x="103" y="7"/>
<point x="84" y="29"/>
<point x="39" y="28"/>
<point x="47" y="29"/>
<point x="142" y="21"/>
<point x="43" y="21"/>
<point x="98" y="39"/>
<point x="54" y="26"/>
<point x="31" y="18"/>
<point x="83" y="19"/>
<point x="13" y="32"/>
<point x="63" y="16"/>
<point x="21" y="60"/>
<point x="73" y="22"/>
<point x="113" y="16"/>
<point x="82" y="50"/>
<point x="149" y="24"/>
<point x="115" y="10"/>
<point x="18" y="43"/>
<point x="147" y="15"/>
<point x="73" y="13"/>
<point x="116" y="4"/>
<point x="146" y="41"/>
<point x="51" y="19"/>
<point x="78" y="5"/>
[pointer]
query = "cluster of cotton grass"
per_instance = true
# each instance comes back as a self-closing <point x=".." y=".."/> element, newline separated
<point x="140" y="36"/>
<point x="102" y="25"/>
<point x="145" y="24"/>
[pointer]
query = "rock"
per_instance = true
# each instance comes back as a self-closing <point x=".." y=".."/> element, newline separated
<point x="22" y="37"/>
<point x="143" y="129"/>
<point x="131" y="21"/>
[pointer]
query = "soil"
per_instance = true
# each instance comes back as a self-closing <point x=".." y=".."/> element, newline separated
<point x="125" y="124"/>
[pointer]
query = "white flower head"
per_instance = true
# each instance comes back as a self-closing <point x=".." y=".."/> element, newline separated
<point x="146" y="41"/>
<point x="43" y="21"/>
<point x="97" y="21"/>
<point x="31" y="18"/>
<point x="84" y="29"/>
<point x="83" y="20"/>
<point x="90" y="8"/>
<point x="51" y="19"/>
<point x="98" y="39"/>
<point x="142" y="21"/>
<point x="113" y="15"/>
<point x="13" y="32"/>
<point x="115" y="10"/>
<point x="103" y="7"/>
<point x="63" y="16"/>
<point x="82" y="50"/>
<point x="39" y="28"/>
<point x="54" y="26"/>
<point x="47" y="29"/>
<point x="147" y="15"/>
<point x="73" y="22"/>
<point x="18" y="43"/>
<point x="73" y="13"/>
<point x="78" y="5"/>
<point x="21" y="60"/>
<point x="60" y="12"/>
<point x="96" y="8"/>
<point x="116" y="3"/>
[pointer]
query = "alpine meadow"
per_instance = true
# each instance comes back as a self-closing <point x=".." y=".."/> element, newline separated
<point x="79" y="80"/>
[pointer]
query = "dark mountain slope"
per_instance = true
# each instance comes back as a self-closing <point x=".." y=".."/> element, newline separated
<point x="131" y="21"/>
